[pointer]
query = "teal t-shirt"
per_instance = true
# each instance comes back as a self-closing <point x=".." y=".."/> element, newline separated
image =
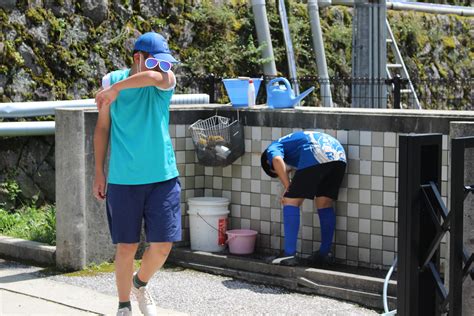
<point x="141" y="151"/>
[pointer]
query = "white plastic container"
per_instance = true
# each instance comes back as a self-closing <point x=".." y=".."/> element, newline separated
<point x="251" y="94"/>
<point x="208" y="223"/>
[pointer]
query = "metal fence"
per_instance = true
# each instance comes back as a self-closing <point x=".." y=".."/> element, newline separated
<point x="432" y="93"/>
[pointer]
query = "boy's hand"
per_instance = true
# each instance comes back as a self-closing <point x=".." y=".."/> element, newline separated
<point x="105" y="97"/>
<point x="99" y="187"/>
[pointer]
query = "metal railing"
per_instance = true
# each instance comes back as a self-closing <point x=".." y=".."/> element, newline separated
<point x="432" y="93"/>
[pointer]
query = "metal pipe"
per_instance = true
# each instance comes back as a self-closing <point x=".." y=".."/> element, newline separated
<point x="318" y="44"/>
<point x="30" y="109"/>
<point x="415" y="6"/>
<point x="289" y="46"/>
<point x="10" y="129"/>
<point x="263" y="35"/>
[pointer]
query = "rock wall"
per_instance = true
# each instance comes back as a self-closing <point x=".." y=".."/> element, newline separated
<point x="26" y="164"/>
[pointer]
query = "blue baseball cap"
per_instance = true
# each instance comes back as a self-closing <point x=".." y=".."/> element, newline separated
<point x="156" y="45"/>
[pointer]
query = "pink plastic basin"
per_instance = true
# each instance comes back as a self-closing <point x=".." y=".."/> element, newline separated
<point x="241" y="241"/>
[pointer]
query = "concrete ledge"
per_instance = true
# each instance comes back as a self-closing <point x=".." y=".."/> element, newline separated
<point x="27" y="250"/>
<point x="357" y="288"/>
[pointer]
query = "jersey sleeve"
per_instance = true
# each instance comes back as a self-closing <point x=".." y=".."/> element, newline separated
<point x="275" y="150"/>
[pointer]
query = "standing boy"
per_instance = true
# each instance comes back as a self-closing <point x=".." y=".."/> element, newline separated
<point x="142" y="180"/>
<point x="320" y="164"/>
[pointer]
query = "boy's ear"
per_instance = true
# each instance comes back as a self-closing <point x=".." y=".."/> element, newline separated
<point x="136" y="58"/>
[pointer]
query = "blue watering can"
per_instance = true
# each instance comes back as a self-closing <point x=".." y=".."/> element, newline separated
<point x="279" y="96"/>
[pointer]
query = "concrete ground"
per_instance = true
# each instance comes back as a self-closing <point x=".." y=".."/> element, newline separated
<point x="26" y="290"/>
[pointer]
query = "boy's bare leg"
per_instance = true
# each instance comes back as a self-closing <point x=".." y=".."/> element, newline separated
<point x="124" y="256"/>
<point x="153" y="259"/>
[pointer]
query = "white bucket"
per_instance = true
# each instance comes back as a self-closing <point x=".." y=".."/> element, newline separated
<point x="208" y="223"/>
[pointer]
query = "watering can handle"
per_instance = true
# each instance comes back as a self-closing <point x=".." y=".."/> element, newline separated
<point x="284" y="80"/>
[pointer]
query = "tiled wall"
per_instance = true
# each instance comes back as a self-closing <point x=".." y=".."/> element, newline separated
<point x="366" y="224"/>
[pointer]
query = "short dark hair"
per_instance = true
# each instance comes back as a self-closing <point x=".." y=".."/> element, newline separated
<point x="266" y="165"/>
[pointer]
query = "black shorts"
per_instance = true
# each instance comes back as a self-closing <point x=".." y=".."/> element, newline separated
<point x="320" y="180"/>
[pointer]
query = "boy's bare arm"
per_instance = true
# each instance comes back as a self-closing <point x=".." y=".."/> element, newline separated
<point x="139" y="80"/>
<point x="101" y="142"/>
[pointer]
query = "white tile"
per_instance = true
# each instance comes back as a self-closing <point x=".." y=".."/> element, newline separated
<point x="245" y="198"/>
<point x="217" y="183"/>
<point x="365" y="167"/>
<point x="236" y="184"/>
<point x="265" y="144"/>
<point x="227" y="194"/>
<point x="340" y="252"/>
<point x="227" y="171"/>
<point x="235" y="210"/>
<point x="180" y="156"/>
<point x="389" y="169"/>
<point x="353" y="181"/>
<point x="388" y="257"/>
<point x="276" y="133"/>
<point x="364" y="196"/>
<point x="190" y="170"/>
<point x="265" y="228"/>
<point x="189" y="144"/>
<point x="307" y="233"/>
<point x="275" y="242"/>
<point x="377" y="183"/>
<point x="256" y="132"/>
<point x="316" y="222"/>
<point x="255" y="212"/>
<point x="352" y="239"/>
<point x="445" y="141"/>
<point x="364" y="255"/>
<point x="180" y="131"/>
<point x="377" y="153"/>
<point x="365" y="138"/>
<point x="208" y="171"/>
<point x="444" y="173"/>
<point x="390" y="139"/>
<point x="248" y="145"/>
<point x="341" y="136"/>
<point x="376" y="242"/>
<point x="389" y="229"/>
<point x="275" y="215"/>
<point x="256" y="159"/>
<point x="389" y="199"/>
<point x="198" y="182"/>
<point x="342" y="195"/>
<point x="353" y="152"/>
<point x="352" y="210"/>
<point x="245" y="223"/>
<point x="246" y="172"/>
<point x="265" y="200"/>
<point x="376" y="212"/>
<point x="364" y="226"/>
<point x="255" y="186"/>
<point x="341" y="222"/>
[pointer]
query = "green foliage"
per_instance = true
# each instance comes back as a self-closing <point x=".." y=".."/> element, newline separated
<point x="31" y="223"/>
<point x="11" y="188"/>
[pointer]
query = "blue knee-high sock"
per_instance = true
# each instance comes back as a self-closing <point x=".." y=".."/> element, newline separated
<point x="327" y="218"/>
<point x="291" y="224"/>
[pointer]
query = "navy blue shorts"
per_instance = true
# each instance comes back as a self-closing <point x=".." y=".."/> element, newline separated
<point x="158" y="204"/>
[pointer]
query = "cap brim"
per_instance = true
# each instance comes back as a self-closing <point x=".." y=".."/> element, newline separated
<point x="166" y="57"/>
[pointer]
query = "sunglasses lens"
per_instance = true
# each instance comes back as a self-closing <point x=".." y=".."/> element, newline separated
<point x="165" y="65"/>
<point x="151" y="63"/>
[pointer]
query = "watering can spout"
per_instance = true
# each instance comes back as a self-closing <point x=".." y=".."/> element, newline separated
<point x="302" y="96"/>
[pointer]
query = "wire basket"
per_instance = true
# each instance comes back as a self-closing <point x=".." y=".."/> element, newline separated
<point x="217" y="140"/>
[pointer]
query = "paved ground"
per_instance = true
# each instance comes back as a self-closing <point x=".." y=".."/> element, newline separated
<point x="176" y="289"/>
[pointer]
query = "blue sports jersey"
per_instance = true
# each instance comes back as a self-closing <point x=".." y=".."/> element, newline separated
<point x="305" y="149"/>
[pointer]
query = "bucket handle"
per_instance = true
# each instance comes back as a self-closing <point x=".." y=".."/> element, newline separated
<point x="219" y="231"/>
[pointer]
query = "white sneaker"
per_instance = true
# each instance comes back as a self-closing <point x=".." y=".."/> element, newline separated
<point x="145" y="301"/>
<point x="124" y="312"/>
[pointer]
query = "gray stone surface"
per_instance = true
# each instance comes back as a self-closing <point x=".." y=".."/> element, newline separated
<point x="96" y="10"/>
<point x="462" y="129"/>
<point x="27" y="250"/>
<point x="7" y="4"/>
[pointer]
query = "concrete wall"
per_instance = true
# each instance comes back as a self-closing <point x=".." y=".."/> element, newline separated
<point x="366" y="211"/>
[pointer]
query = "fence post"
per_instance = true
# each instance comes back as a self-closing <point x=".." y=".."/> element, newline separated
<point x="396" y="91"/>
<point x="211" y="83"/>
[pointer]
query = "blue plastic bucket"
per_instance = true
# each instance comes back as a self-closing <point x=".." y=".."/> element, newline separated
<point x="237" y="90"/>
